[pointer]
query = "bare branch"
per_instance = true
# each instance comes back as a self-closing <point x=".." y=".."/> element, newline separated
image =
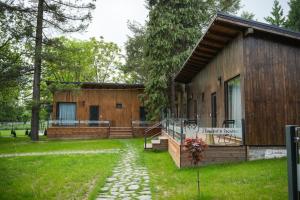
<point x="83" y="6"/>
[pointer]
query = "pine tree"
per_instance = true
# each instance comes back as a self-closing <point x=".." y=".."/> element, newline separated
<point x="247" y="15"/>
<point x="171" y="32"/>
<point x="277" y="18"/>
<point x="293" y="21"/>
<point x="56" y="15"/>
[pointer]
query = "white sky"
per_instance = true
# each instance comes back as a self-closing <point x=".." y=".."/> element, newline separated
<point x="110" y="17"/>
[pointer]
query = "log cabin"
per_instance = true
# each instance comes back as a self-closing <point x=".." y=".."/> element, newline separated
<point x="244" y="74"/>
<point x="97" y="110"/>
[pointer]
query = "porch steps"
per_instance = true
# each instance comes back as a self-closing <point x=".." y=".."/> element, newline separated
<point x="160" y="144"/>
<point x="120" y="132"/>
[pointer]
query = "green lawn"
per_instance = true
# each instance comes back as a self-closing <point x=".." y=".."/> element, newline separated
<point x="54" y="177"/>
<point x="265" y="179"/>
<point x="6" y="133"/>
<point x="24" y="144"/>
<point x="81" y="176"/>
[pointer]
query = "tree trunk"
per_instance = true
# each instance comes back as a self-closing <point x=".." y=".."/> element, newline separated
<point x="37" y="73"/>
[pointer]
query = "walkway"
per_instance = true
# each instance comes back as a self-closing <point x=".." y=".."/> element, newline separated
<point x="129" y="180"/>
<point x="60" y="153"/>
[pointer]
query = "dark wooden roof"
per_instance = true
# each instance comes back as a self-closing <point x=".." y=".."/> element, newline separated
<point x="220" y="32"/>
<point x="94" y="85"/>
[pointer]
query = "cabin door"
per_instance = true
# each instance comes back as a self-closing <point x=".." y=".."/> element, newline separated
<point x="94" y="115"/>
<point x="213" y="114"/>
<point x="142" y="113"/>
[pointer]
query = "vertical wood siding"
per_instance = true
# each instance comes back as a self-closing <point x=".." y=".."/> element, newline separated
<point x="272" y="90"/>
<point x="227" y="65"/>
<point x="106" y="99"/>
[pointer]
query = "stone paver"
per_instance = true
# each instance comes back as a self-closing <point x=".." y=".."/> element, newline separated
<point x="129" y="180"/>
<point x="60" y="153"/>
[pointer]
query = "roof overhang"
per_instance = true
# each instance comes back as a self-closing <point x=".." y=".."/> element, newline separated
<point x="223" y="29"/>
<point x="94" y="85"/>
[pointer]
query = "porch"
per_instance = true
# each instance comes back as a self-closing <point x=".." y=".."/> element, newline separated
<point x="95" y="129"/>
<point x="225" y="144"/>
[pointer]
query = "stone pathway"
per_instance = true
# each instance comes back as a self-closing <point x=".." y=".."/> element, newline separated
<point x="60" y="153"/>
<point x="129" y="180"/>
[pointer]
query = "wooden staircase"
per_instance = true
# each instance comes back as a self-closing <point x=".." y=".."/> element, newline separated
<point x="160" y="144"/>
<point x="120" y="132"/>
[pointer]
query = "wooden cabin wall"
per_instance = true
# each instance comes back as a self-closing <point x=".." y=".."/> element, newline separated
<point x="272" y="89"/>
<point x="106" y="99"/>
<point x="227" y="65"/>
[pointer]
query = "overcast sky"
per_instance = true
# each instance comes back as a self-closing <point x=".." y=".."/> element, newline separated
<point x="110" y="17"/>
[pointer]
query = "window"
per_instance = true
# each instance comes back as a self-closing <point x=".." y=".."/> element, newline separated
<point x="234" y="104"/>
<point x="66" y="113"/>
<point x="119" y="105"/>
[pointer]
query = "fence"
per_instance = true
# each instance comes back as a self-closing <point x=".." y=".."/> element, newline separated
<point x="20" y="127"/>
<point x="292" y="147"/>
<point x="78" y="123"/>
<point x="229" y="133"/>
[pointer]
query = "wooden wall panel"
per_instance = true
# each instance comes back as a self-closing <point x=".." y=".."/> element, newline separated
<point x="227" y="65"/>
<point x="217" y="155"/>
<point x="174" y="149"/>
<point x="272" y="90"/>
<point x="106" y="99"/>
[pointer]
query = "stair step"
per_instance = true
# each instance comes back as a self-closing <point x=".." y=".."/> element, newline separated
<point x="120" y="136"/>
<point x="120" y="131"/>
<point x="148" y="146"/>
<point x="155" y="141"/>
<point x="163" y="138"/>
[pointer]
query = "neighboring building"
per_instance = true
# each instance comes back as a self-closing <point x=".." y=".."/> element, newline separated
<point x="96" y="110"/>
<point x="246" y="73"/>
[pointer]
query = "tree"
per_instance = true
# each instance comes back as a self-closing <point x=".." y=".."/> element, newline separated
<point x="72" y="60"/>
<point x="247" y="15"/>
<point x="293" y="18"/>
<point x="135" y="55"/>
<point x="60" y="15"/>
<point x="277" y="18"/>
<point x="172" y="30"/>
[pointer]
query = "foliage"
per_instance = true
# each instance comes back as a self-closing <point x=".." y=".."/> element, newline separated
<point x="62" y="16"/>
<point x="9" y="108"/>
<point x="171" y="32"/>
<point x="195" y="147"/>
<point x="277" y="18"/>
<point x="293" y="18"/>
<point x="14" y="67"/>
<point x="135" y="55"/>
<point x="247" y="15"/>
<point x="72" y="60"/>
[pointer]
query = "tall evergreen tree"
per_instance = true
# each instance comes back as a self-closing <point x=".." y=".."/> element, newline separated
<point x="135" y="53"/>
<point x="293" y="21"/>
<point x="172" y="30"/>
<point x="247" y="15"/>
<point x="277" y="18"/>
<point x="57" y="15"/>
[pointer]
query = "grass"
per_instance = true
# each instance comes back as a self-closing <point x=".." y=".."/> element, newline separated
<point x="264" y="179"/>
<point x="82" y="176"/>
<point x="24" y="144"/>
<point x="6" y="133"/>
<point x="54" y="177"/>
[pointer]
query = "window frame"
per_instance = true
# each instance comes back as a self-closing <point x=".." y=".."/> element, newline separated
<point x="57" y="108"/>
